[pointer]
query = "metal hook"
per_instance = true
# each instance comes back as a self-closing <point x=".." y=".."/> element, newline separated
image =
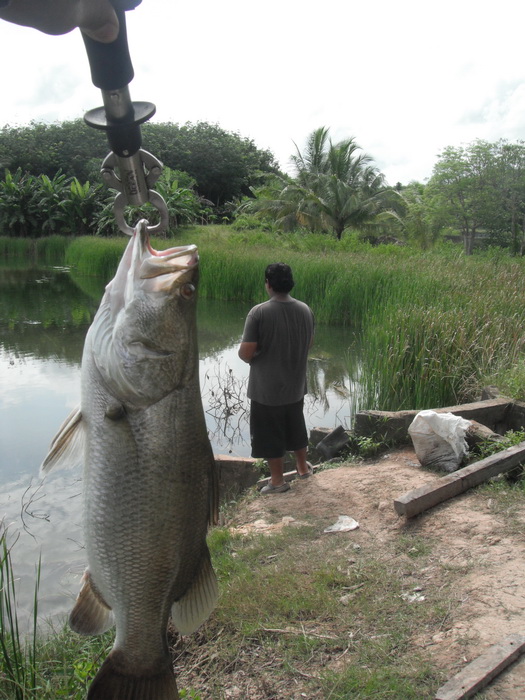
<point x="156" y="200"/>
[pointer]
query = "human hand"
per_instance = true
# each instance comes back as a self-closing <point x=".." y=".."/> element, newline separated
<point x="96" y="18"/>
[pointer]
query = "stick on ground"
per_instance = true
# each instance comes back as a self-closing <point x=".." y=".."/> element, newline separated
<point x="481" y="671"/>
<point x="429" y="495"/>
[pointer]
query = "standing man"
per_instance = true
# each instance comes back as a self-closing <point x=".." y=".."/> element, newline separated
<point x="277" y="336"/>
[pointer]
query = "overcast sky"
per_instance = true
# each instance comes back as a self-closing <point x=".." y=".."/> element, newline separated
<point x="405" y="78"/>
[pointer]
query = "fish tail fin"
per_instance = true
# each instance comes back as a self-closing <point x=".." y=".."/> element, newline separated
<point x="113" y="683"/>
<point x="67" y="447"/>
<point x="196" y="605"/>
<point x="91" y="614"/>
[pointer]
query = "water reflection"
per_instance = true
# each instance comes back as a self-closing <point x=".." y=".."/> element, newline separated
<point x="43" y="520"/>
<point x="44" y="316"/>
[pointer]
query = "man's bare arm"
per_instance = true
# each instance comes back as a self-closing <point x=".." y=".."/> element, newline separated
<point x="247" y="351"/>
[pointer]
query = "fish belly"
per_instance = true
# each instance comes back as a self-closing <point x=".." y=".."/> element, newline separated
<point x="146" y="513"/>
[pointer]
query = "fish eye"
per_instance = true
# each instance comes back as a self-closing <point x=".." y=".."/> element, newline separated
<point x="187" y="291"/>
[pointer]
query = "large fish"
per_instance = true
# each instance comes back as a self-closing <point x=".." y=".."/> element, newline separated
<point x="150" y="488"/>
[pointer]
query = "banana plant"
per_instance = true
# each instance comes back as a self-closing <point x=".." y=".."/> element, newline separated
<point x="17" y="216"/>
<point x="80" y="207"/>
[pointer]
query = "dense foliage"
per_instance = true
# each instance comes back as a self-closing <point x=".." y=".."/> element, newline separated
<point x="336" y="186"/>
<point x="223" y="164"/>
<point x="38" y="206"/>
<point x="476" y="193"/>
<point x="436" y="325"/>
<point x="35" y="206"/>
<point x="479" y="190"/>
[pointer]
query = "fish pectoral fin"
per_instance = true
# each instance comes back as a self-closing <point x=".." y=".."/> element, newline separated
<point x="91" y="614"/>
<point x="196" y="605"/>
<point x="67" y="447"/>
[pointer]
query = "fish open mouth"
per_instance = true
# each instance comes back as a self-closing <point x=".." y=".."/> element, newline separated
<point x="176" y="252"/>
<point x="174" y="262"/>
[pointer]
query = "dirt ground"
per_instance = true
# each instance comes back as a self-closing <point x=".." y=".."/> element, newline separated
<point x="467" y="536"/>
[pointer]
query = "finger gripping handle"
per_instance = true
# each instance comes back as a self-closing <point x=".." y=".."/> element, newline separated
<point x="111" y="67"/>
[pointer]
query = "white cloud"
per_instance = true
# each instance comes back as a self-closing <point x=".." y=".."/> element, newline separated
<point x="405" y="79"/>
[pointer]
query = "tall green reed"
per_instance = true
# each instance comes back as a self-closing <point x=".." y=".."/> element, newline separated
<point x="435" y="325"/>
<point x="18" y="653"/>
<point x="95" y="256"/>
<point x="437" y="343"/>
<point x="16" y="247"/>
<point x="52" y="249"/>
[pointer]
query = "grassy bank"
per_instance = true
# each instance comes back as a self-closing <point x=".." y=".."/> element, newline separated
<point x="40" y="664"/>
<point x="274" y="610"/>
<point x="435" y="326"/>
<point x="49" y="251"/>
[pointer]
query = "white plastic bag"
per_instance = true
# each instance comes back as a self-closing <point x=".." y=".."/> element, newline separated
<point x="439" y="439"/>
<point x="344" y="523"/>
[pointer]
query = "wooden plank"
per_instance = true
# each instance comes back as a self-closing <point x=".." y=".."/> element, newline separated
<point x="429" y="495"/>
<point x="481" y="671"/>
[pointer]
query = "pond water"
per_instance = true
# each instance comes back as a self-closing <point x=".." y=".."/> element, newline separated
<point x="44" y="316"/>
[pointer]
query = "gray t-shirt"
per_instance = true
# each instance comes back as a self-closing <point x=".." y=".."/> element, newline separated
<point x="283" y="331"/>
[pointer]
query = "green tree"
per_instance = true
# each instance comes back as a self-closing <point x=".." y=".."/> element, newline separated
<point x="335" y="187"/>
<point x="454" y="184"/>
<point x="480" y="188"/>
<point x="417" y="219"/>
<point x="509" y="179"/>
<point x="16" y="213"/>
<point x="223" y="164"/>
<point x="47" y="149"/>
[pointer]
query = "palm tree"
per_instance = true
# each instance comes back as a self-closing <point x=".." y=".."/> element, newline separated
<point x="334" y="187"/>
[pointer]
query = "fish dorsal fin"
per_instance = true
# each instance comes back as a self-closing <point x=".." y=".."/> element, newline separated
<point x="197" y="603"/>
<point x="67" y="447"/>
<point x="91" y="614"/>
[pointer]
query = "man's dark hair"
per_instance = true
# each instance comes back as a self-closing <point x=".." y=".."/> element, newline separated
<point x="279" y="277"/>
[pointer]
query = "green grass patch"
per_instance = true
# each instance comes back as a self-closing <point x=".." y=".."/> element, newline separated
<point x="21" y="248"/>
<point x="38" y="665"/>
<point x="296" y="606"/>
<point x="434" y="326"/>
<point x="386" y="682"/>
<point x="44" y="663"/>
<point x="52" y="249"/>
<point x="413" y="546"/>
<point x="92" y="256"/>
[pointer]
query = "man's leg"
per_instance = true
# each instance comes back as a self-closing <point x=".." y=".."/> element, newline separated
<point x="297" y="435"/>
<point x="268" y="438"/>
<point x="300" y="461"/>
<point x="276" y="465"/>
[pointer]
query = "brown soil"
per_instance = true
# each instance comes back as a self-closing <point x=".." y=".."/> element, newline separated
<point x="470" y="541"/>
